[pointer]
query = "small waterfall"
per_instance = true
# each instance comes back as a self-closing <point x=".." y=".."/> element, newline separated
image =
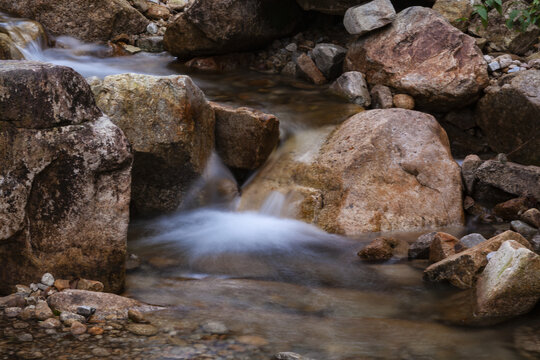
<point x="27" y="36"/>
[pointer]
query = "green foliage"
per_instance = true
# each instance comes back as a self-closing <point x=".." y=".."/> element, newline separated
<point x="519" y="19"/>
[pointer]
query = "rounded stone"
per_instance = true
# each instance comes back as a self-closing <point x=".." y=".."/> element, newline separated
<point x="215" y="327"/>
<point x="142" y="329"/>
<point x="77" y="328"/>
<point x="47" y="279"/>
<point x="403" y="101"/>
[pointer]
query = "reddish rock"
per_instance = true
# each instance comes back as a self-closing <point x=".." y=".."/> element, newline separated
<point x="310" y="70"/>
<point x="512" y="209"/>
<point x="403" y="101"/>
<point x="157" y="12"/>
<point x="77" y="328"/>
<point x="421" y="54"/>
<point x="96" y="330"/>
<point x="60" y="284"/>
<point x="442" y="247"/>
<point x="91" y="285"/>
<point x="531" y="217"/>
<point x="382" y="249"/>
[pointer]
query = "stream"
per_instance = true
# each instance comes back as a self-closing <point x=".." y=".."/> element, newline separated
<point x="284" y="283"/>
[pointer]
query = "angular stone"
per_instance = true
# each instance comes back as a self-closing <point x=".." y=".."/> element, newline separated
<point x="360" y="20"/>
<point x="420" y="248"/>
<point x="13" y="300"/>
<point x="462" y="269"/>
<point x="510" y="284"/>
<point x="352" y="85"/>
<point x="157" y="12"/>
<point x="442" y="246"/>
<point x="526" y="230"/>
<point x="104" y="303"/>
<point x="535" y="243"/>
<point x="102" y="21"/>
<point x="508" y="116"/>
<point x="383" y="249"/>
<point x="531" y="217"/>
<point x="65" y="173"/>
<point x="170" y="126"/>
<point x="43" y="312"/>
<point x="381" y="170"/>
<point x="329" y="59"/>
<point x="90" y="285"/>
<point x="310" y="71"/>
<point x="245" y="137"/>
<point x="469" y="241"/>
<point x="381" y="97"/>
<point x="51" y="323"/>
<point x="12" y="312"/>
<point x="456" y="12"/>
<point x="438" y="65"/>
<point x="512" y="209"/>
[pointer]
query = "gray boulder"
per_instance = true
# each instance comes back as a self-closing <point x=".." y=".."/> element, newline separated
<point x="362" y="19"/>
<point x="329" y="59"/>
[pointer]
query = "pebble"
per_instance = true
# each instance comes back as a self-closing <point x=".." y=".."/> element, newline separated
<point x="152" y="28"/>
<point x="47" y="279"/>
<point x="77" y="328"/>
<point x="215" y="327"/>
<point x="25" y="337"/>
<point x="12" y="312"/>
<point x="34" y="287"/>
<point x="20" y="325"/>
<point x="136" y="316"/>
<point x="43" y="311"/>
<point x="292" y="47"/>
<point x="142" y="329"/>
<point x="68" y="318"/>
<point x="100" y="352"/>
<point x="96" y="330"/>
<point x="252" y="340"/>
<point x="86" y="311"/>
<point x="51" y="323"/>
<point x="494" y="66"/>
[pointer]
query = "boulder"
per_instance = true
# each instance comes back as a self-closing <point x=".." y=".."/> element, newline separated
<point x="105" y="304"/>
<point x="170" y="125"/>
<point x="462" y="269"/>
<point x="499" y="36"/>
<point x="380" y="170"/>
<point x="333" y="7"/>
<point x="442" y="246"/>
<point x="422" y="55"/>
<point x="352" y="85"/>
<point x="209" y="27"/>
<point x="65" y="173"/>
<point x="360" y="20"/>
<point x="510" y="284"/>
<point x="101" y="21"/>
<point x="456" y="12"/>
<point x="245" y="137"/>
<point x="329" y="59"/>
<point x="508" y="116"/>
<point x="383" y="249"/>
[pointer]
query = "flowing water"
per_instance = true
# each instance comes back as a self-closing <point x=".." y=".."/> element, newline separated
<point x="286" y="283"/>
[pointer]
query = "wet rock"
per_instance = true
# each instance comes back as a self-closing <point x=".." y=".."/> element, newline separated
<point x="329" y="59"/>
<point x="252" y="340"/>
<point x="500" y="37"/>
<point x="8" y="49"/>
<point x="47" y="279"/>
<point x="68" y="318"/>
<point x="531" y="217"/>
<point x="469" y="241"/>
<point x="66" y="171"/>
<point x="215" y="327"/>
<point x="151" y="43"/>
<point x="442" y="246"/>
<point x="289" y="356"/>
<point x="51" y="323"/>
<point x="309" y="70"/>
<point x="360" y="20"/>
<point x="104" y="303"/>
<point x="352" y="85"/>
<point x="12" y="39"/>
<point x="403" y="101"/>
<point x="508" y="115"/>
<point x="13" y="300"/>
<point x="456" y="12"/>
<point x="527" y="231"/>
<point x="462" y="269"/>
<point x="77" y="328"/>
<point x="245" y="137"/>
<point x="142" y="329"/>
<point x="383" y="249"/>
<point x="381" y="97"/>
<point x="438" y="65"/>
<point x="510" y="284"/>
<point x="420" y="248"/>
<point x="43" y="311"/>
<point x="170" y="125"/>
<point x="136" y="316"/>
<point x="374" y="173"/>
<point x="512" y="209"/>
<point x="12" y="312"/>
<point x="102" y="21"/>
<point x="152" y="28"/>
<point x="527" y="341"/>
<point x="96" y="330"/>
<point x="208" y="27"/>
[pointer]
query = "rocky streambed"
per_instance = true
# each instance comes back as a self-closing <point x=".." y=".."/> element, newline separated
<point x="299" y="200"/>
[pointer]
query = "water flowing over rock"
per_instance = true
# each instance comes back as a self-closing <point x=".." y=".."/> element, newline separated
<point x="508" y="115"/>
<point x="209" y="27"/>
<point x="99" y="21"/>
<point x="170" y="125"/>
<point x="510" y="284"/>
<point x="18" y="34"/>
<point x="462" y="269"/>
<point x="244" y="137"/>
<point x="381" y="170"/>
<point x="65" y="173"/>
<point x="422" y="55"/>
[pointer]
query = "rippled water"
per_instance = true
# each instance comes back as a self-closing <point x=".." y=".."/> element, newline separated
<point x="263" y="274"/>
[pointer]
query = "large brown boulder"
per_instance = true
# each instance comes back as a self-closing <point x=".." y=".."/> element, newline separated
<point x="508" y="116"/>
<point x="99" y="20"/>
<point x="209" y="27"/>
<point x="245" y="137"/>
<point x="65" y="173"/>
<point x="170" y="125"/>
<point x="462" y="269"/>
<point x="381" y="170"/>
<point x="422" y="55"/>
